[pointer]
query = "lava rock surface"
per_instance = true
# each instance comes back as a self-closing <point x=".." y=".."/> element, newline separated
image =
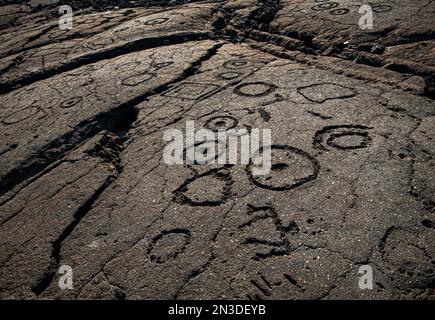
<point x="82" y="177"/>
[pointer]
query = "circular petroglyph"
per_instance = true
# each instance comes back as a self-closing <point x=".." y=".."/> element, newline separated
<point x="71" y="102"/>
<point x="291" y="167"/>
<point x="409" y="257"/>
<point x="237" y="64"/>
<point x="343" y="137"/>
<point x="228" y="75"/>
<point x="99" y="44"/>
<point x="209" y="189"/>
<point x="155" y="21"/>
<point x="255" y="89"/>
<point x="382" y="8"/>
<point x="137" y="79"/>
<point x="221" y="123"/>
<point x="321" y="92"/>
<point x="324" y="6"/>
<point x="349" y="140"/>
<point x="168" y="244"/>
<point x="127" y="65"/>
<point x="339" y="12"/>
<point x="21" y="115"/>
<point x="162" y="65"/>
<point x="86" y="70"/>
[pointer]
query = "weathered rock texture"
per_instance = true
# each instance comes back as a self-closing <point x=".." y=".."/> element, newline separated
<point x="82" y="177"/>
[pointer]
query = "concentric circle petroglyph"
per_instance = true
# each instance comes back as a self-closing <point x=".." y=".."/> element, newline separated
<point x="217" y="123"/>
<point x="343" y="137"/>
<point x="71" y="102"/>
<point x="155" y="21"/>
<point x="339" y="11"/>
<point x="324" y="6"/>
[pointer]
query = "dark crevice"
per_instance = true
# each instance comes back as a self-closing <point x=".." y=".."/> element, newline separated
<point x="256" y="27"/>
<point x="413" y="38"/>
<point x="118" y="120"/>
<point x="112" y="155"/>
<point x="48" y="275"/>
<point x="108" y="149"/>
<point x="134" y="46"/>
<point x="102" y="5"/>
<point x="29" y="40"/>
<point x="115" y="120"/>
<point x="309" y="48"/>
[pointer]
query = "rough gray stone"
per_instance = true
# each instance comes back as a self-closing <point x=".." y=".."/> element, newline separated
<point x="84" y="184"/>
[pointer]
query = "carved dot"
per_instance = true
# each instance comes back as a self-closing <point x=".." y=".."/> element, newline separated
<point x="291" y="168"/>
<point x="339" y="12"/>
<point x="155" y="21"/>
